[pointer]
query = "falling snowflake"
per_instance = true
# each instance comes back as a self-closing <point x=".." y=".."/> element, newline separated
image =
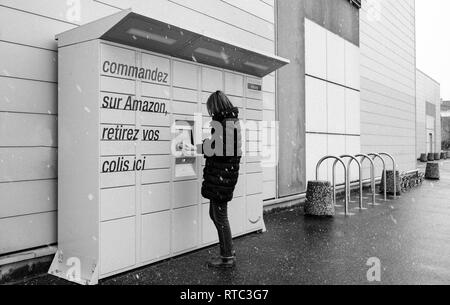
<point x="87" y="109"/>
<point x="91" y="197"/>
<point x="393" y="219"/>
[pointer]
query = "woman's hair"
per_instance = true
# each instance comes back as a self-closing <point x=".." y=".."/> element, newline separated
<point x="217" y="103"/>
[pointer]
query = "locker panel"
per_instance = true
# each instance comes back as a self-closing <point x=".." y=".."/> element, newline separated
<point x="253" y="168"/>
<point x="185" y="193"/>
<point x="117" y="245"/>
<point x="110" y="148"/>
<point x="155" y="240"/>
<point x="116" y="61"/>
<point x="155" y="91"/>
<point x="269" y="190"/>
<point x="154" y="119"/>
<point x="254" y="104"/>
<point x="254" y="115"/>
<point x="234" y="84"/>
<point x="117" y="203"/>
<point x="155" y="176"/>
<point x="254" y="212"/>
<point x="212" y="79"/>
<point x="237" y="102"/>
<point x="185" y="75"/>
<point x="159" y="66"/>
<point x="254" y="88"/>
<point x="157" y="162"/>
<point x="155" y="148"/>
<point x="184" y="108"/>
<point x="185" y="95"/>
<point x="185" y="229"/>
<point x="155" y="197"/>
<point x="117" y="85"/>
<point x="239" y="190"/>
<point x="236" y="212"/>
<point x="108" y="180"/>
<point x="112" y="116"/>
<point x="254" y="183"/>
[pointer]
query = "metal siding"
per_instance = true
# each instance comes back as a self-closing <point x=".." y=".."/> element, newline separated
<point x="387" y="40"/>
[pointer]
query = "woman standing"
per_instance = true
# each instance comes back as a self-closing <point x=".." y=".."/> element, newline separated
<point x="223" y="155"/>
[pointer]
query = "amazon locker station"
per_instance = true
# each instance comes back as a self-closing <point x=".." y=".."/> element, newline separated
<point x="130" y="89"/>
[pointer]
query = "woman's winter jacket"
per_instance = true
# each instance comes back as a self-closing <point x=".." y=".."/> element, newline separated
<point x="223" y="155"/>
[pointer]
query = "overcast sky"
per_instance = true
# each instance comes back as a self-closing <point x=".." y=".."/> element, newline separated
<point x="433" y="41"/>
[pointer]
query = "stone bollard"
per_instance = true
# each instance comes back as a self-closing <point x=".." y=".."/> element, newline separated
<point x="423" y="158"/>
<point x="432" y="171"/>
<point x="437" y="156"/>
<point x="390" y="183"/>
<point x="430" y="157"/>
<point x="443" y="157"/>
<point x="319" y="199"/>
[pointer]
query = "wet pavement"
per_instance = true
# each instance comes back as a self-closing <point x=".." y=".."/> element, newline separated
<point x="410" y="236"/>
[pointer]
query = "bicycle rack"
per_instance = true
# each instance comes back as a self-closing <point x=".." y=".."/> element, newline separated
<point x="374" y="155"/>
<point x="372" y="174"/>
<point x="337" y="159"/>
<point x="348" y="179"/>
<point x="394" y="164"/>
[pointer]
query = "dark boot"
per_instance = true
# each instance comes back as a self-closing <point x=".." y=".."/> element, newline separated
<point x="222" y="262"/>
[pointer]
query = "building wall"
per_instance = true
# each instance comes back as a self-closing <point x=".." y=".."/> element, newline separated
<point x="291" y="97"/>
<point x="332" y="82"/>
<point x="428" y="114"/>
<point x="318" y="89"/>
<point x="445" y="125"/>
<point x="28" y="99"/>
<point x="388" y="77"/>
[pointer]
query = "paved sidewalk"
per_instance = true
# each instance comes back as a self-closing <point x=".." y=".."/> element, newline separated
<point x="410" y="236"/>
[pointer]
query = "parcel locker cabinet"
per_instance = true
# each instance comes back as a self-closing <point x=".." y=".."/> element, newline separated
<point x="127" y="195"/>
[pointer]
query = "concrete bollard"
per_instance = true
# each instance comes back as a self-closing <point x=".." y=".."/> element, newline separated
<point x="432" y="171"/>
<point x="319" y="199"/>
<point x="430" y="157"/>
<point x="390" y="183"/>
<point x="423" y="158"/>
<point x="437" y="156"/>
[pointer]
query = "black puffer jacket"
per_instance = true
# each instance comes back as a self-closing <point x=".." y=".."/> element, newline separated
<point x="221" y="172"/>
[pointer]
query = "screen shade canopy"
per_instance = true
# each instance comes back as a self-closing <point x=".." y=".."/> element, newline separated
<point x="131" y="29"/>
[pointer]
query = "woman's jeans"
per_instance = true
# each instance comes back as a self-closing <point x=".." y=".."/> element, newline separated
<point x="219" y="215"/>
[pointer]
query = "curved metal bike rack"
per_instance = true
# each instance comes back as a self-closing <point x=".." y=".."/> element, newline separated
<point x="348" y="180"/>
<point x="394" y="165"/>
<point x="372" y="174"/>
<point x="374" y="155"/>
<point x="337" y="159"/>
